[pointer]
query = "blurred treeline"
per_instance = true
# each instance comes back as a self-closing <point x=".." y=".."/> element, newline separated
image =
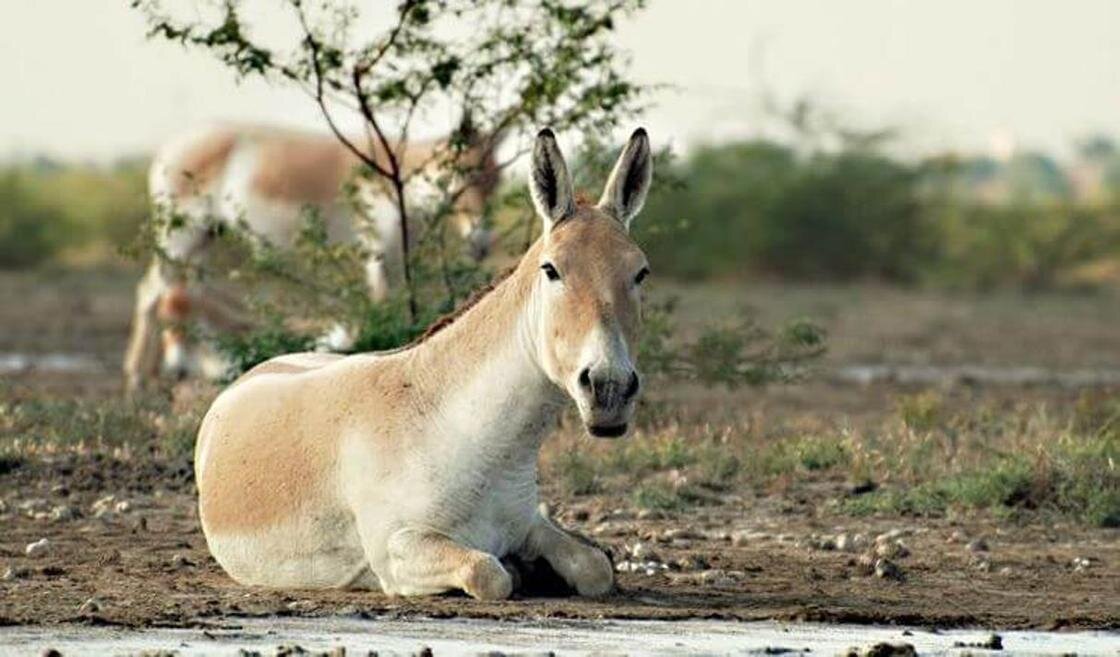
<point x="762" y="208"/>
<point x="736" y="210"/>
<point x="66" y="214"/>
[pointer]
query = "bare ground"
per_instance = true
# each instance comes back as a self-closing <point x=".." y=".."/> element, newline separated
<point x="747" y="553"/>
<point x="148" y="565"/>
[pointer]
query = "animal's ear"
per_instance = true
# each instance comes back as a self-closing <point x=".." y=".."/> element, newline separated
<point x="549" y="181"/>
<point x="626" y="189"/>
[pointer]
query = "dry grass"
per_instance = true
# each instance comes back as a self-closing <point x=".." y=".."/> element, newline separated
<point x="919" y="456"/>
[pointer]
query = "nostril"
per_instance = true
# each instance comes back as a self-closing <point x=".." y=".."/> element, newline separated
<point x="585" y="378"/>
<point x="635" y="385"/>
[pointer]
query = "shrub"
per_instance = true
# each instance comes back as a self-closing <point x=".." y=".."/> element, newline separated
<point x="25" y="224"/>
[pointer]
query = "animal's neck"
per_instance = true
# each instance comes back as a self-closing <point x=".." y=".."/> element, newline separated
<point x="482" y="374"/>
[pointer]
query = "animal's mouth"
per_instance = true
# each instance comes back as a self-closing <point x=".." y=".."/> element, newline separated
<point x="607" y="431"/>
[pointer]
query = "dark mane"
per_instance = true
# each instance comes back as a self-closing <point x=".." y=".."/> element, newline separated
<point x="477" y="295"/>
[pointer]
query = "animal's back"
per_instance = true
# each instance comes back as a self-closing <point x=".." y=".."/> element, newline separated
<point x="269" y="499"/>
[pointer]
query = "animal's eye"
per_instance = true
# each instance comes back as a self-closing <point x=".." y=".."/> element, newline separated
<point x="641" y="276"/>
<point x="550" y="271"/>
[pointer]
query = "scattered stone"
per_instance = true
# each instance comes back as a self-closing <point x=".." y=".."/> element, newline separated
<point x="893" y="535"/>
<point x="892" y="550"/>
<point x="1081" y="564"/>
<point x="978" y="545"/>
<point x="642" y="567"/>
<point x="13" y="573"/>
<point x="38" y="548"/>
<point x="124" y="506"/>
<point x="846" y="542"/>
<point x="290" y="650"/>
<point x="31" y="506"/>
<point x="62" y="513"/>
<point x="676" y="533"/>
<point x="691" y="562"/>
<point x="643" y="552"/>
<point x="90" y="606"/>
<point x="981" y="563"/>
<point x="1006" y="571"/>
<point x="993" y="642"/>
<point x="815" y="542"/>
<point x="603" y="528"/>
<point x="650" y="514"/>
<point x="865" y="565"/>
<point x="957" y="537"/>
<point x="885" y="650"/>
<point x="743" y="537"/>
<point x="720" y="578"/>
<point x="717" y="535"/>
<point x="886" y="569"/>
<point x="181" y="561"/>
<point x="102" y="505"/>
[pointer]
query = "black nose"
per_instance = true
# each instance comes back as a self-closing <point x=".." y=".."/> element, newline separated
<point x="606" y="390"/>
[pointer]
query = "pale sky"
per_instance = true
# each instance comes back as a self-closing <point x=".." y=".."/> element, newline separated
<point x="79" y="80"/>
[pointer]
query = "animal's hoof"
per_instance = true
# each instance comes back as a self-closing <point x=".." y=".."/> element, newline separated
<point x="595" y="575"/>
<point x="488" y="580"/>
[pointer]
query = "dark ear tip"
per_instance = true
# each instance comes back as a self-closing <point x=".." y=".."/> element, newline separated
<point x="640" y="132"/>
<point x="546" y="133"/>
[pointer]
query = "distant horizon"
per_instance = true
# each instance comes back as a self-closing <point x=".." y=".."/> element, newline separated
<point x="1002" y="76"/>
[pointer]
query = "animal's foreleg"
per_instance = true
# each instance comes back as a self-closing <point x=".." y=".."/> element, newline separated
<point x="582" y="565"/>
<point x="141" y="360"/>
<point x="423" y="562"/>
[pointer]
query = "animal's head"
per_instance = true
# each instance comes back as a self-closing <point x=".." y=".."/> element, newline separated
<point x="590" y="281"/>
<point x="481" y="177"/>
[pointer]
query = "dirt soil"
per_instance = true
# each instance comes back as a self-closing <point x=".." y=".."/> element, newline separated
<point x="144" y="563"/>
<point x="139" y="559"/>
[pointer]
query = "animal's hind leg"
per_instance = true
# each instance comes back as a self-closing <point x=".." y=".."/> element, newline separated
<point x="423" y="562"/>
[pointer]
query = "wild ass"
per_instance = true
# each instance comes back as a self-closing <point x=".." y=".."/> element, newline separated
<point x="416" y="470"/>
<point x="266" y="179"/>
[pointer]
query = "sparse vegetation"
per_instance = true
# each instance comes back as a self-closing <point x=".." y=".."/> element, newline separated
<point x="924" y="460"/>
<point x="32" y="422"/>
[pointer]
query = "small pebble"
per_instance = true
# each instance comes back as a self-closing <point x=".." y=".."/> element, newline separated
<point x="62" y="513"/>
<point x="743" y="537"/>
<point x="978" y="545"/>
<point x="720" y="578"/>
<point x="886" y="569"/>
<point x="643" y="552"/>
<point x="678" y="533"/>
<point x="181" y="561"/>
<point x="38" y="548"/>
<point x="13" y="573"/>
<point x="892" y="550"/>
